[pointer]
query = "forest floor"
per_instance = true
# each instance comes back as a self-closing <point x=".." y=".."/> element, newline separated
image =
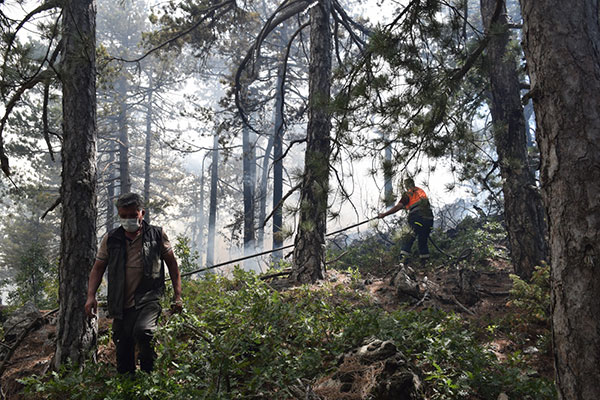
<point x="483" y="302"/>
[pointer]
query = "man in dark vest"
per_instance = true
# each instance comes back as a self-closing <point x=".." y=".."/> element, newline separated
<point x="135" y="254"/>
<point x="420" y="218"/>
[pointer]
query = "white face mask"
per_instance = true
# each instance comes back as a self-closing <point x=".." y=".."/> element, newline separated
<point x="130" y="224"/>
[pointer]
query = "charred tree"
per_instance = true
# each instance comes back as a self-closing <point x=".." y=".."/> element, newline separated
<point x="309" y="250"/>
<point x="523" y="209"/>
<point x="263" y="189"/>
<point x="278" y="169"/>
<point x="249" y="187"/>
<point x="76" y="336"/>
<point x="212" y="208"/>
<point x="561" y="43"/>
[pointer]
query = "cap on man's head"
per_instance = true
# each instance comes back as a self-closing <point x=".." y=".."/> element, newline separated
<point x="409" y="182"/>
<point x="130" y="199"/>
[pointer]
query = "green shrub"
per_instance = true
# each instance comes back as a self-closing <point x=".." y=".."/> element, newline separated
<point x="238" y="339"/>
<point x="529" y="319"/>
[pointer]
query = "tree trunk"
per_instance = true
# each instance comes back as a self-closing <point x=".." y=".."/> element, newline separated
<point x="528" y="113"/>
<point x="523" y="209"/>
<point x="202" y="217"/>
<point x="110" y="188"/>
<point x="148" y="149"/>
<point x="388" y="173"/>
<point x="249" y="187"/>
<point x="212" y="213"/>
<point x="309" y="250"/>
<point x="278" y="171"/>
<point x="263" y="191"/>
<point x="76" y="336"/>
<point x="123" y="138"/>
<point x="561" y="42"/>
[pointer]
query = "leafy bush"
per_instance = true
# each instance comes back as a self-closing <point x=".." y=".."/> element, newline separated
<point x="189" y="260"/>
<point x="237" y="338"/>
<point x="375" y="253"/>
<point x="483" y="237"/>
<point x="530" y="304"/>
<point x="454" y="363"/>
<point x="533" y="297"/>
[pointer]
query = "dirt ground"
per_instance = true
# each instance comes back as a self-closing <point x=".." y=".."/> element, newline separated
<point x="481" y="296"/>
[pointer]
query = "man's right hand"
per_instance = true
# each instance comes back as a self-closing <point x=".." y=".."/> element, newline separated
<point x="91" y="307"/>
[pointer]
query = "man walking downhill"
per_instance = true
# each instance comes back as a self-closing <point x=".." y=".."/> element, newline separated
<point x="135" y="254"/>
<point x="420" y="218"/>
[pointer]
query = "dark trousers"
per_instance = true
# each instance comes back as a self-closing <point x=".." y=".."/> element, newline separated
<point x="136" y="327"/>
<point x="421" y="228"/>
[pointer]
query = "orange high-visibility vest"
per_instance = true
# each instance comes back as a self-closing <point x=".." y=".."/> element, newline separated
<point x="414" y="196"/>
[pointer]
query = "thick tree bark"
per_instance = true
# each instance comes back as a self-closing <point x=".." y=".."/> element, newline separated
<point x="249" y="187"/>
<point x="561" y="42"/>
<point x="125" y="178"/>
<point x="148" y="154"/>
<point x="77" y="335"/>
<point x="309" y="250"/>
<point x="523" y="209"/>
<point x="212" y="212"/>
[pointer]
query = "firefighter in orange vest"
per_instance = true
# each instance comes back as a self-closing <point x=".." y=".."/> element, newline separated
<point x="420" y="218"/>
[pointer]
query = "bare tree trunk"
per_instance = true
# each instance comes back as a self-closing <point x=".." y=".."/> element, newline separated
<point x="123" y="138"/>
<point x="561" y="42"/>
<point x="388" y="173"/>
<point x="212" y="213"/>
<point x="263" y="191"/>
<point x="110" y="188"/>
<point x="77" y="335"/>
<point x="148" y="148"/>
<point x="202" y="217"/>
<point x="249" y="187"/>
<point x="278" y="170"/>
<point x="309" y="250"/>
<point x="523" y="209"/>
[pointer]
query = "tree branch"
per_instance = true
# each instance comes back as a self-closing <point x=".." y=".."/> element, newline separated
<point x="283" y="199"/>
<point x="286" y="11"/>
<point x="52" y="207"/>
<point x="293" y="142"/>
<point x="50" y="4"/>
<point x="42" y="76"/>
<point x="209" y="13"/>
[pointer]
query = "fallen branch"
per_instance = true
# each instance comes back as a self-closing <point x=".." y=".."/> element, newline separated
<point x="458" y="303"/>
<point x="20" y="339"/>
<point x="337" y="258"/>
<point x="275" y="275"/>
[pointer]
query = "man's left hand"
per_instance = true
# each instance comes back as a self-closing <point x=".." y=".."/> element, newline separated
<point x="176" y="306"/>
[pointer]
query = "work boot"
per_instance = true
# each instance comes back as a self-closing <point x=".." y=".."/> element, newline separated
<point x="423" y="258"/>
<point x="404" y="256"/>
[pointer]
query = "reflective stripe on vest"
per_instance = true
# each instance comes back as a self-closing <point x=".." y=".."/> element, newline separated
<point x="414" y="196"/>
